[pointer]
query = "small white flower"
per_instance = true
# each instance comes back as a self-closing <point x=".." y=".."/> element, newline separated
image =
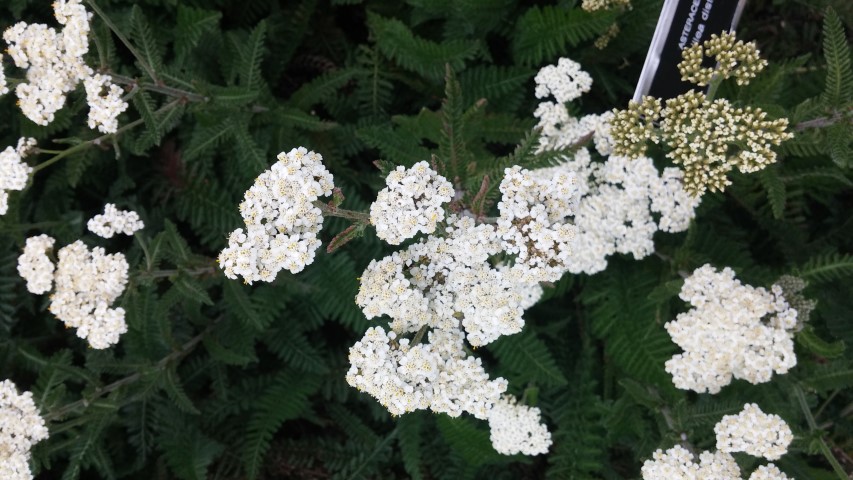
<point x="516" y="428"/>
<point x="21" y="427"/>
<point x="564" y="81"/>
<point x="35" y="266"/>
<point x="14" y="173"/>
<point x="410" y="203"/>
<point x="754" y="432"/>
<point x="105" y="103"/>
<point x="114" y="221"/>
<point x="281" y="220"/>
<point x="87" y="283"/>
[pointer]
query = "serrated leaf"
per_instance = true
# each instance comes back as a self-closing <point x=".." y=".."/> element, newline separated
<point x="251" y="56"/>
<point x="192" y="290"/>
<point x="192" y="23"/>
<point x="839" y="72"/>
<point x="172" y="385"/>
<point x="145" y="40"/>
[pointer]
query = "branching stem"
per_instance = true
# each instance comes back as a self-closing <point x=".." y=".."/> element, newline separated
<point x="353" y="215"/>
<point x="97" y="141"/>
<point x="100" y="392"/>
<point x="145" y="66"/>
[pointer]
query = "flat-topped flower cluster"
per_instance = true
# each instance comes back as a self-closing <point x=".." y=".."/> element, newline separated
<point x="14" y="173"/>
<point x="84" y="282"/>
<point x="281" y="219"/>
<point x="732" y="331"/>
<point x="21" y="427"/>
<point x="55" y="66"/>
<point x="751" y="431"/>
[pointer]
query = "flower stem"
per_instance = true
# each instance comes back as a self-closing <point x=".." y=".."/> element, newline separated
<point x="145" y="66"/>
<point x="96" y="141"/>
<point x="328" y="210"/>
<point x="164" y="89"/>
<point x="824" y="448"/>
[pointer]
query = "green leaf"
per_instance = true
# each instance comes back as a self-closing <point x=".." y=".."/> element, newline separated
<point x="285" y="399"/>
<point x="303" y="120"/>
<point x="468" y="441"/>
<point x="839" y="73"/>
<point x="172" y="385"/>
<point x="419" y="55"/>
<point x="145" y="39"/>
<point x="775" y="189"/>
<point x="529" y="357"/>
<point x="192" y="23"/>
<point x="320" y="88"/>
<point x="251" y="56"/>
<point x="206" y="138"/>
<point x="544" y="33"/>
<point x="811" y="341"/>
<point x="409" y="428"/>
<point x="192" y="290"/>
<point x="294" y="348"/>
<point x="240" y="305"/>
<point x="826" y="268"/>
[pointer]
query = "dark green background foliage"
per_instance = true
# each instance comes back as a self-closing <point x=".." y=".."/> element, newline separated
<point x="216" y="379"/>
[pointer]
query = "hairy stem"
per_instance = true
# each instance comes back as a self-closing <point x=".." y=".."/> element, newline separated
<point x="822" y="122"/>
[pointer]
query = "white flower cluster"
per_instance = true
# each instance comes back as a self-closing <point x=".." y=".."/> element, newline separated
<point x="114" y="221"/>
<point x="751" y="431"/>
<point x="517" y="428"/>
<point x="754" y="432"/>
<point x="565" y="81"/>
<point x="410" y="203"/>
<point x="622" y="203"/>
<point x="281" y="219"/>
<point x="87" y="283"/>
<point x="734" y="330"/>
<point x="105" y="103"/>
<point x="450" y="286"/>
<point x="55" y="66"/>
<point x="13" y="172"/>
<point x="4" y="87"/>
<point x="677" y="463"/>
<point x="21" y="427"/>
<point x="35" y="266"/>
<point x="437" y="375"/>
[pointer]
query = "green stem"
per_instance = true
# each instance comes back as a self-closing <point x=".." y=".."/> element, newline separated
<point x="340" y="212"/>
<point x="824" y="448"/>
<point x="420" y="335"/>
<point x="97" y="141"/>
<point x="200" y="271"/>
<point x="164" y="89"/>
<point x="713" y="87"/>
<point x="100" y="392"/>
<point x="148" y="68"/>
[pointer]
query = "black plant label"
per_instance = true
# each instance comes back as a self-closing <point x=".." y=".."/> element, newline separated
<point x="681" y="24"/>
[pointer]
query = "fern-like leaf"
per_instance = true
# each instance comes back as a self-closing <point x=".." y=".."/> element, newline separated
<point x="827" y="268"/>
<point x="528" y="357"/>
<point x="416" y="54"/>
<point x="839" y="73"/>
<point x="544" y="33"/>
<point x="285" y="399"/>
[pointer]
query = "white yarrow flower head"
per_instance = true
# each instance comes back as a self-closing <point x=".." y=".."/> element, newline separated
<point x="14" y="173"/>
<point x="114" y="221"/>
<point x="35" y="266"/>
<point x="437" y="375"/>
<point x="21" y="427"/>
<point x="4" y="88"/>
<point x="677" y="463"/>
<point x="564" y="81"/>
<point x="87" y="283"/>
<point x="105" y="103"/>
<point x="516" y="428"/>
<point x="411" y="203"/>
<point x="281" y="219"/>
<point x="754" y="432"/>
<point x="54" y="60"/>
<point x="733" y="330"/>
<point x="769" y="472"/>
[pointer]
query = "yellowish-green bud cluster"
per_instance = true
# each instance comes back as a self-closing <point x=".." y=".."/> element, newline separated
<point x="593" y="5"/>
<point x="605" y="38"/>
<point x="707" y="138"/>
<point x="734" y="59"/>
<point x="632" y="127"/>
